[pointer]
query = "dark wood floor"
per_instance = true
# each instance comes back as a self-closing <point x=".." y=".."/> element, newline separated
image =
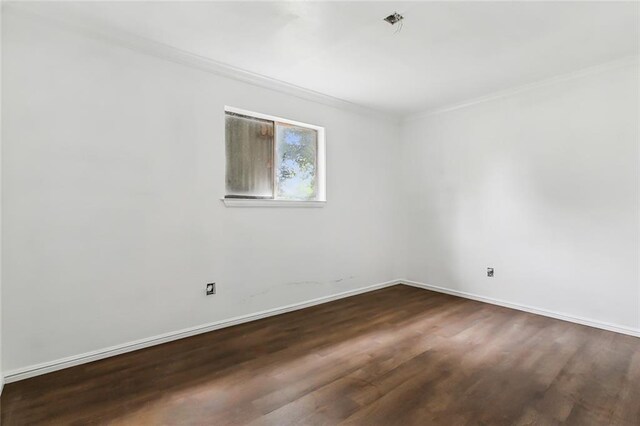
<point x="400" y="355"/>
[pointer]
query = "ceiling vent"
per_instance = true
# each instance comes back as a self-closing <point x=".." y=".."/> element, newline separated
<point x="394" y="18"/>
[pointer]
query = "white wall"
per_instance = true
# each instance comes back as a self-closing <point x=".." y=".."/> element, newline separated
<point x="542" y="185"/>
<point x="1" y="370"/>
<point x="113" y="166"/>
<point x="113" y="171"/>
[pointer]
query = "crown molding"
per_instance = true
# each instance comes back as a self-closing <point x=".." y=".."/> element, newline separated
<point x="183" y="57"/>
<point x="179" y="56"/>
<point x="583" y="72"/>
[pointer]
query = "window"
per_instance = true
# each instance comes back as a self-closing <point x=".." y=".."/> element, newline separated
<point x="271" y="159"/>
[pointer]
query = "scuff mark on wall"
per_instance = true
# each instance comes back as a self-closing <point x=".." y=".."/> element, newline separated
<point x="298" y="283"/>
<point x="302" y="283"/>
<point x="350" y="277"/>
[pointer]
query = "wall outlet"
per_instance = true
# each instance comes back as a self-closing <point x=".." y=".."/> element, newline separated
<point x="490" y="272"/>
<point x="211" y="289"/>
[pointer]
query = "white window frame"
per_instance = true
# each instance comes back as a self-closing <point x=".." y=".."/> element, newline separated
<point x="320" y="170"/>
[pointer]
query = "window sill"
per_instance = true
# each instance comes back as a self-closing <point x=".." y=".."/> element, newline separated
<point x="242" y="202"/>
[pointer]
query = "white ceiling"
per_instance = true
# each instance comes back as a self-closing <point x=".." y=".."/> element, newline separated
<point x="446" y="53"/>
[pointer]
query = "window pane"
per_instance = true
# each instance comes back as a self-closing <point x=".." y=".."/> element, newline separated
<point x="249" y="144"/>
<point x="296" y="153"/>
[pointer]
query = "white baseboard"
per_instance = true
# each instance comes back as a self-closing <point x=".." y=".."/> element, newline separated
<point x="557" y="315"/>
<point x="48" y="367"/>
<point x="59" y="364"/>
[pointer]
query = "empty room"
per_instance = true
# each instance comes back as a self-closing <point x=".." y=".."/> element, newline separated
<point x="320" y="213"/>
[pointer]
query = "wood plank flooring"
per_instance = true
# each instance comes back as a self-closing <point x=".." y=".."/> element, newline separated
<point x="396" y="356"/>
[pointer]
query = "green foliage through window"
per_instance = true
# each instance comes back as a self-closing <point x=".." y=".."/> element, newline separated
<point x="296" y="151"/>
<point x="270" y="160"/>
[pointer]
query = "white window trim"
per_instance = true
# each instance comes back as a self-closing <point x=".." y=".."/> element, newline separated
<point x="320" y="172"/>
<point x="249" y="202"/>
